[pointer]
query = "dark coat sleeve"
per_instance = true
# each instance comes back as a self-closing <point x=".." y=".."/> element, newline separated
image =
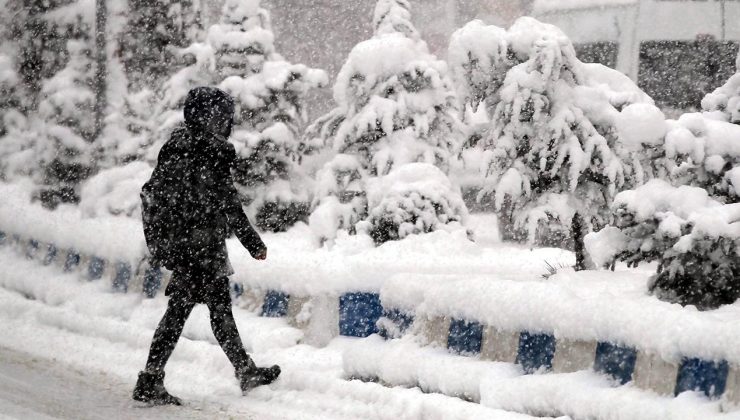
<point x="236" y="218"/>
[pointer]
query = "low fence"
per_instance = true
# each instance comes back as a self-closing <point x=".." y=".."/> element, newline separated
<point x="536" y="351"/>
<point x="409" y="305"/>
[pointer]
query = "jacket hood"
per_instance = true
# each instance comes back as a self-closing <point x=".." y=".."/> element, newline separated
<point x="209" y="109"/>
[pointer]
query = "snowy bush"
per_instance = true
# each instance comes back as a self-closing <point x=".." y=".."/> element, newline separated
<point x="650" y="219"/>
<point x="115" y="191"/>
<point x="395" y="106"/>
<point x="703" y="267"/>
<point x="693" y="238"/>
<point x="340" y="200"/>
<point x="413" y="198"/>
<point x="703" y="152"/>
<point x="553" y="146"/>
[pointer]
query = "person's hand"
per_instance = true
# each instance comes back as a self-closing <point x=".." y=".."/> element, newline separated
<point x="262" y="255"/>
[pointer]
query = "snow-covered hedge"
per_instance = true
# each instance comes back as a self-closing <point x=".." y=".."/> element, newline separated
<point x="412" y="199"/>
<point x="693" y="237"/>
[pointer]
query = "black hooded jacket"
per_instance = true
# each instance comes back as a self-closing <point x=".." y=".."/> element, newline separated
<point x="193" y="174"/>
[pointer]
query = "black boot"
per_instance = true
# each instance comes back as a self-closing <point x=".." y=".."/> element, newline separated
<point x="150" y="389"/>
<point x="257" y="376"/>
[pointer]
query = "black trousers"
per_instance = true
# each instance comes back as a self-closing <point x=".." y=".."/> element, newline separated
<point x="223" y="326"/>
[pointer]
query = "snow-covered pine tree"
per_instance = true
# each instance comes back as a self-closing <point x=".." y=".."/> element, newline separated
<point x="40" y="42"/>
<point x="64" y="151"/>
<point x="243" y="40"/>
<point x="170" y="97"/>
<point x="479" y="59"/>
<point x="16" y="140"/>
<point x="9" y="86"/>
<point x="553" y="146"/>
<point x="239" y="56"/>
<point x="154" y="32"/>
<point x="395" y="106"/>
<point x="269" y="94"/>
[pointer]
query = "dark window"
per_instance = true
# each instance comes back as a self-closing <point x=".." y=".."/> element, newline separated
<point x="679" y="73"/>
<point x="598" y="52"/>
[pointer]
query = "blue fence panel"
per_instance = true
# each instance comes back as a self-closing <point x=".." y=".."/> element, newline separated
<point x="464" y="336"/>
<point x="95" y="268"/>
<point x="51" y="254"/>
<point x="32" y="248"/>
<point x="536" y="351"/>
<point x="615" y="361"/>
<point x="275" y="304"/>
<point x="72" y="260"/>
<point x="708" y="377"/>
<point x="401" y="319"/>
<point x="359" y="314"/>
<point x="152" y="281"/>
<point x="236" y="290"/>
<point x="123" y="275"/>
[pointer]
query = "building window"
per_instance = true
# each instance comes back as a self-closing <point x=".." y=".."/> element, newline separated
<point x="677" y="74"/>
<point x="598" y="52"/>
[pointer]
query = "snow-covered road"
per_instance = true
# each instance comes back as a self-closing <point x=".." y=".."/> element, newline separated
<point x="71" y="349"/>
<point x="36" y="388"/>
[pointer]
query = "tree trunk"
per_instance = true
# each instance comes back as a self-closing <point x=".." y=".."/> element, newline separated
<point x="101" y="61"/>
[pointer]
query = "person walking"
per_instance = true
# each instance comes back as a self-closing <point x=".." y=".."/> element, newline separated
<point x="190" y="205"/>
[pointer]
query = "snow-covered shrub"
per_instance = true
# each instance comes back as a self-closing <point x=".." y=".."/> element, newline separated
<point x="647" y="222"/>
<point x="396" y="105"/>
<point x="704" y="152"/>
<point x="115" y="191"/>
<point x="693" y="238"/>
<point x="413" y="198"/>
<point x="340" y="199"/>
<point x="553" y="146"/>
<point x="703" y="267"/>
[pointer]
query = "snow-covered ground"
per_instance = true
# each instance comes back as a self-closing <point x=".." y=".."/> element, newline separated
<point x="76" y="348"/>
<point x="73" y="330"/>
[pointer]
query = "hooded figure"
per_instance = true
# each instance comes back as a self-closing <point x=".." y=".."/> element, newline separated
<point x="193" y="180"/>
